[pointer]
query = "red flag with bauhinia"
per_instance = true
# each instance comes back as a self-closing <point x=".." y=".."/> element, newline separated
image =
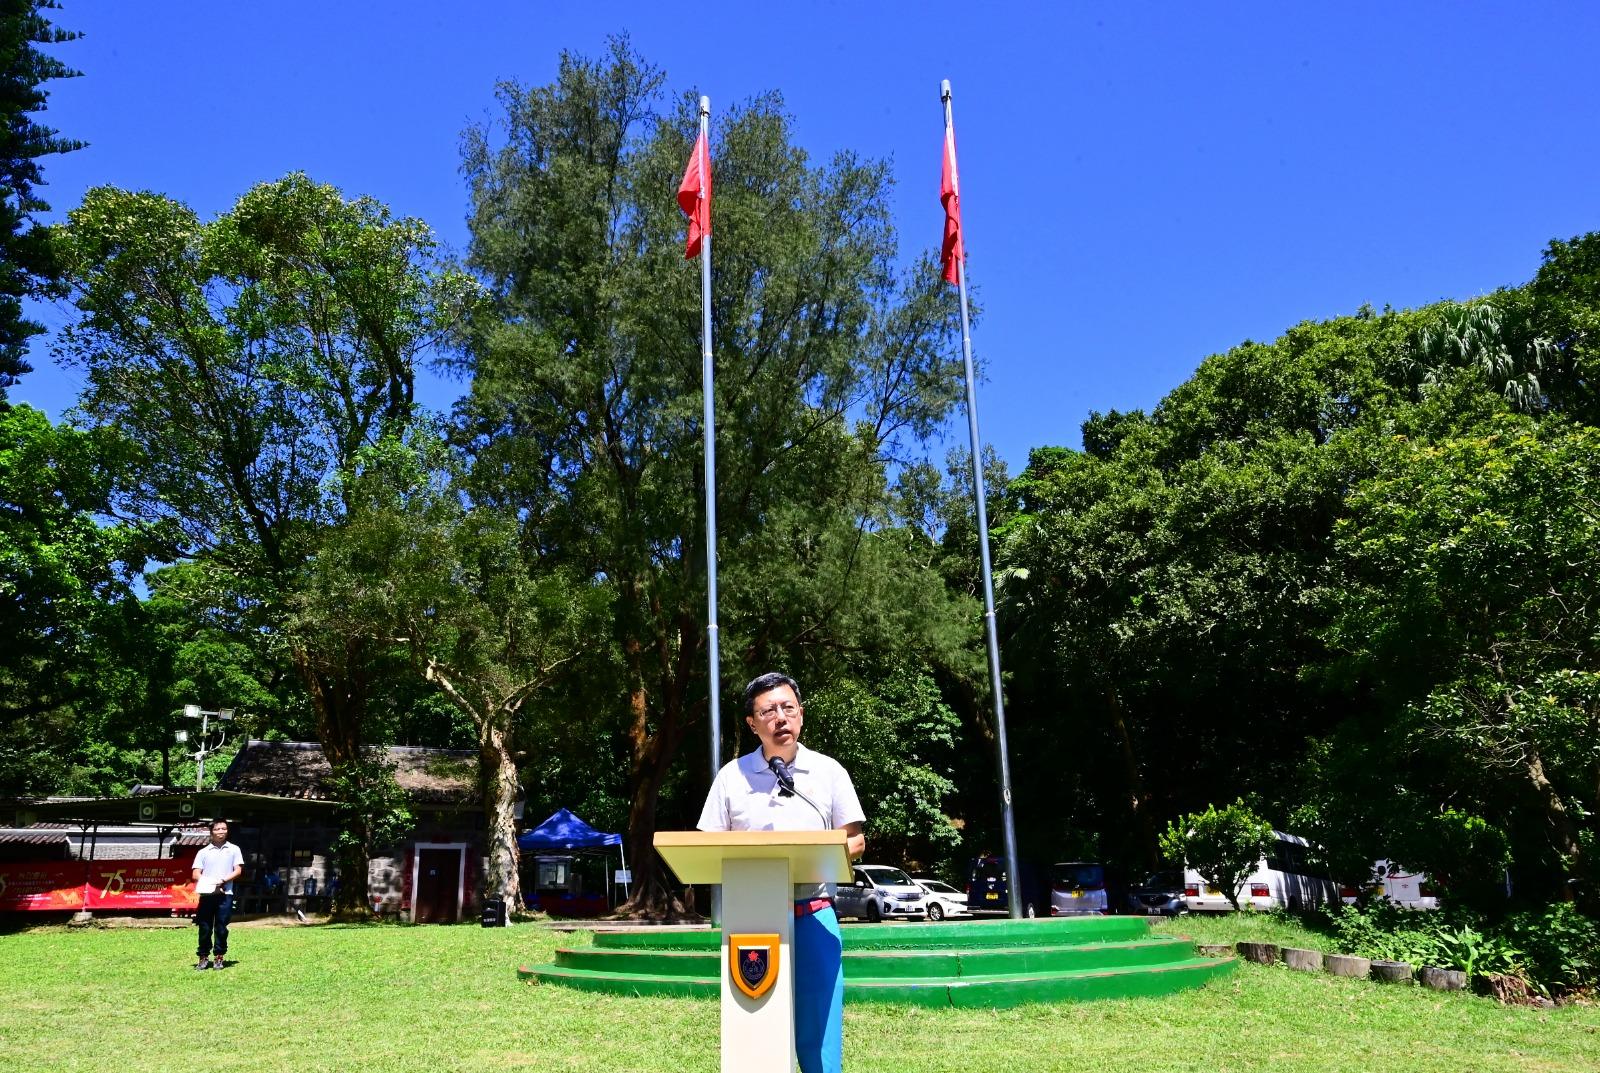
<point x="694" y="195"/>
<point x="953" y="250"/>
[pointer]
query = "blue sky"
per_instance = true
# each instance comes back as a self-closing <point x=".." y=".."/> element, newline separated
<point x="1143" y="185"/>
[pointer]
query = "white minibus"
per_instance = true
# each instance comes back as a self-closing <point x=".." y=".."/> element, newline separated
<point x="1285" y="878"/>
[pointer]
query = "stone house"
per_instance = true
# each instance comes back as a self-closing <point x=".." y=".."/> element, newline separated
<point x="431" y="875"/>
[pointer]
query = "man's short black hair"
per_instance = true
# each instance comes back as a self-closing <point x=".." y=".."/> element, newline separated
<point x="766" y="683"/>
<point x="218" y="820"/>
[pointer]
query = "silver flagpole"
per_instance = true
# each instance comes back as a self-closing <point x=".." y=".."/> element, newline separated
<point x="1013" y="872"/>
<point x="709" y="420"/>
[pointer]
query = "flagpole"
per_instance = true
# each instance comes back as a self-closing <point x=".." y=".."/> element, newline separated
<point x="1008" y="824"/>
<point x="709" y="421"/>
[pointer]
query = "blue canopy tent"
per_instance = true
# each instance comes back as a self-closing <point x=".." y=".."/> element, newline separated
<point x="566" y="831"/>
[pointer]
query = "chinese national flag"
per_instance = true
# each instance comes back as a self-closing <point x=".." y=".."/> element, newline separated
<point x="953" y="251"/>
<point x="694" y="196"/>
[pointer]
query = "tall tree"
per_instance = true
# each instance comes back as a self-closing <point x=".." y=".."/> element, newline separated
<point x="250" y="360"/>
<point x="27" y="266"/>
<point x="68" y="610"/>
<point x="416" y="567"/>
<point x="1162" y="586"/>
<point x="583" y="414"/>
<point x="1475" y="557"/>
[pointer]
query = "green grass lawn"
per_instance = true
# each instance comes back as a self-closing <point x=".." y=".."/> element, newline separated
<point x="435" y="999"/>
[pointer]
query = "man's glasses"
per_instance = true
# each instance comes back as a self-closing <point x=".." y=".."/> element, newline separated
<point x="768" y="714"/>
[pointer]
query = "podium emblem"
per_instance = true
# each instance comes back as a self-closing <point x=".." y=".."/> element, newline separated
<point x="753" y="962"/>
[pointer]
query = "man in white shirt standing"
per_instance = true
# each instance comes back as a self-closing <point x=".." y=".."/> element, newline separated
<point x="216" y="866"/>
<point x="783" y="786"/>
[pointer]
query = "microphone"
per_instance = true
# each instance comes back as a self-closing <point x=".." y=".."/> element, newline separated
<point x="785" y="780"/>
<point x="787" y="788"/>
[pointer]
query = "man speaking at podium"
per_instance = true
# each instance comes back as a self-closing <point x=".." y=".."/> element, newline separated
<point x="783" y="786"/>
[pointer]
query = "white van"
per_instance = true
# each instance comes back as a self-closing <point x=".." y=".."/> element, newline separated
<point x="1283" y="878"/>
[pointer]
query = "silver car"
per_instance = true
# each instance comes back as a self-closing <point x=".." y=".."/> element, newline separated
<point x="880" y="892"/>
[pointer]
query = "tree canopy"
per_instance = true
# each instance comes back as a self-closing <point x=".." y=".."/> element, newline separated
<point x="27" y="266"/>
<point x="583" y="414"/>
<point x="1346" y="574"/>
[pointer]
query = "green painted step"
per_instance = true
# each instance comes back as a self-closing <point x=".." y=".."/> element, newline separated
<point x="994" y="991"/>
<point x="1004" y="991"/>
<point x="996" y="963"/>
<point x="875" y="964"/>
<point x="618" y="983"/>
<point x="963" y="935"/>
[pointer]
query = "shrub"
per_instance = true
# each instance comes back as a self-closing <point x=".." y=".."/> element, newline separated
<point x="1561" y="945"/>
<point x="1223" y="845"/>
<point x="1457" y="940"/>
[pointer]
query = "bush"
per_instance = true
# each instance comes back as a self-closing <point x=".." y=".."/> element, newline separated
<point x="1452" y="940"/>
<point x="1223" y="845"/>
<point x="1384" y="932"/>
<point x="1561" y="945"/>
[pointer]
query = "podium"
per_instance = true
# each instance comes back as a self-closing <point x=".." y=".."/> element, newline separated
<point x="758" y="871"/>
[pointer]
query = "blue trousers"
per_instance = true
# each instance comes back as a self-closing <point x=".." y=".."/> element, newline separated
<point x="212" y="916"/>
<point x="819" y="992"/>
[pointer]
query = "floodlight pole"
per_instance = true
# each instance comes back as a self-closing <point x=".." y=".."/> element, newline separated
<point x="194" y="711"/>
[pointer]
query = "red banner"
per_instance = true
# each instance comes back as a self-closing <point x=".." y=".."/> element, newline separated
<point x="52" y="885"/>
<point x="153" y="883"/>
<point x="148" y="884"/>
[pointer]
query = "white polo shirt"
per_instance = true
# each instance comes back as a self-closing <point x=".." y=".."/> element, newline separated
<point x="216" y="862"/>
<point x="744" y="797"/>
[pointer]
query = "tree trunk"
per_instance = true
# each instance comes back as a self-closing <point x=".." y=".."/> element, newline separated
<point x="1302" y="960"/>
<point x="338" y="698"/>
<point x="655" y="893"/>
<point x="1260" y="953"/>
<point x="1143" y="830"/>
<point x="499" y="772"/>
<point x="1563" y="831"/>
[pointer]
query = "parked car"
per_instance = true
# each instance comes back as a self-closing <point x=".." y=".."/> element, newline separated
<point x="942" y="899"/>
<point x="1077" y="888"/>
<point x="1161" y="893"/>
<point x="880" y="892"/>
<point x="988" y="887"/>
<point x="1396" y="884"/>
<point x="1285" y="878"/>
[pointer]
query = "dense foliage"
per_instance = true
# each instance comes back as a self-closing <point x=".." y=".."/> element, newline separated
<point x="1348" y="572"/>
<point x="1223" y="844"/>
<point x="1348" y="575"/>
<point x="27" y="267"/>
<point x="250" y="363"/>
<point x="583" y="415"/>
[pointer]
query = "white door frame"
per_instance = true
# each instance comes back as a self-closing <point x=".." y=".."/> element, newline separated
<point x="461" y="873"/>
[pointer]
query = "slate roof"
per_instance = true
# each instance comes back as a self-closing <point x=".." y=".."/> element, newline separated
<point x="28" y="836"/>
<point x="297" y="769"/>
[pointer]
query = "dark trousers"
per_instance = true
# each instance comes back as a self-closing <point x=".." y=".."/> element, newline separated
<point x="212" y="916"/>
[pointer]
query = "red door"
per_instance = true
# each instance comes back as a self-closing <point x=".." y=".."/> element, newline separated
<point x="438" y="896"/>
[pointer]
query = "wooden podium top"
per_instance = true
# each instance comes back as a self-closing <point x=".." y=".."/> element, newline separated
<point x="813" y="856"/>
